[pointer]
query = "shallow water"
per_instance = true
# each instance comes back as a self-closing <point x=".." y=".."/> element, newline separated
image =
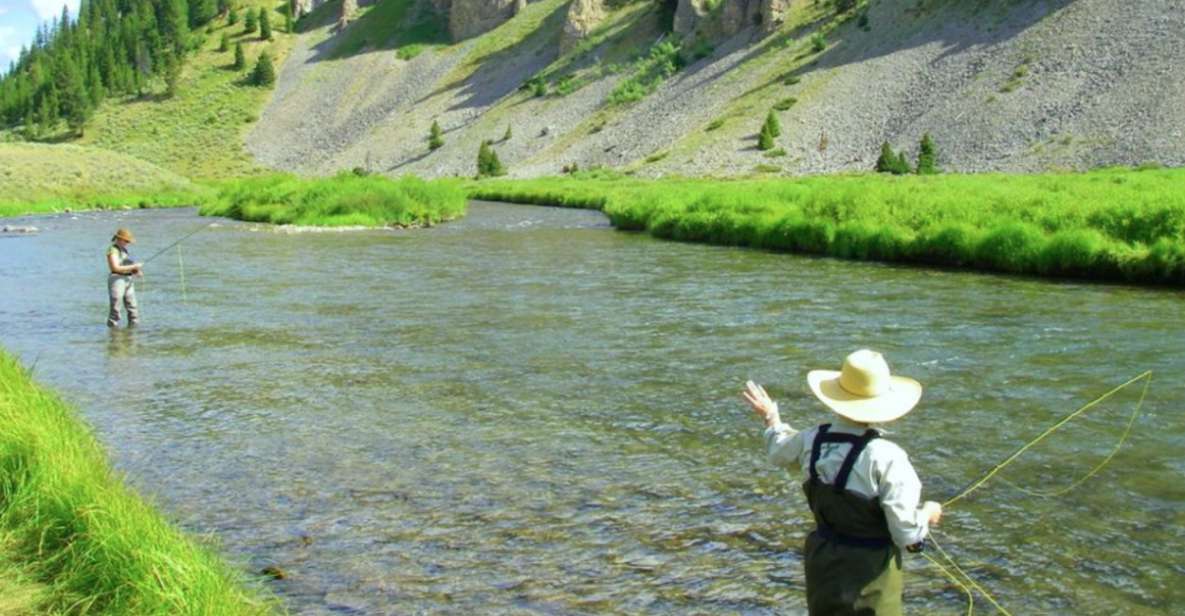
<point x="526" y="411"/>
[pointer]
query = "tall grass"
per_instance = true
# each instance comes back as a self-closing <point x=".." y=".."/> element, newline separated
<point x="93" y="545"/>
<point x="342" y="200"/>
<point x="1114" y="224"/>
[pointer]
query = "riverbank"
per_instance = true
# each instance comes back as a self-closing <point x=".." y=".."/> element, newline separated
<point x="81" y="540"/>
<point x="343" y="200"/>
<point x="1113" y="224"/>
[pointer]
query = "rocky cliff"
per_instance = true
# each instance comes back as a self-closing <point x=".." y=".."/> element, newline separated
<point x="1026" y="85"/>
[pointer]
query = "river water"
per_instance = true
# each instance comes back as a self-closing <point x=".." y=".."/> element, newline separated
<point x="527" y="412"/>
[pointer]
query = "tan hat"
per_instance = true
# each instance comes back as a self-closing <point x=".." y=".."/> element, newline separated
<point x="863" y="390"/>
<point x="125" y="235"/>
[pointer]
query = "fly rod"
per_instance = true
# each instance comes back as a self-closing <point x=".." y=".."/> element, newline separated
<point x="185" y="237"/>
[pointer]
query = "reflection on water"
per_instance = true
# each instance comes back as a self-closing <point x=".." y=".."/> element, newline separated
<point x="526" y="411"/>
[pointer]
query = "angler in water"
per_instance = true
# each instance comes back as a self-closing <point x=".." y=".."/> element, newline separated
<point x="120" y="284"/>
<point x="861" y="488"/>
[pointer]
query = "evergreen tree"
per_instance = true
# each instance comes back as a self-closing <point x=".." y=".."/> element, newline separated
<point x="240" y="59"/>
<point x="775" y="127"/>
<point x="232" y="18"/>
<point x="927" y="157"/>
<point x="436" y="137"/>
<point x="224" y="45"/>
<point x="250" y="23"/>
<point x="488" y="164"/>
<point x="173" y="21"/>
<point x="765" y="139"/>
<point x="264" y="73"/>
<point x="265" y="25"/>
<point x="201" y="12"/>
<point x="223" y="6"/>
<point x="891" y="162"/>
<point x="289" y="25"/>
<point x="172" y="75"/>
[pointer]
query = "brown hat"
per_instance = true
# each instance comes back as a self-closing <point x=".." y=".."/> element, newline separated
<point x="125" y="235"/>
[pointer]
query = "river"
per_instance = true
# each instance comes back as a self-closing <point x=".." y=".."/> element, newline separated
<point x="526" y="411"/>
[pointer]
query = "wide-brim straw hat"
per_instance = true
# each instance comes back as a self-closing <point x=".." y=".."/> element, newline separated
<point x="125" y="235"/>
<point x="864" y="390"/>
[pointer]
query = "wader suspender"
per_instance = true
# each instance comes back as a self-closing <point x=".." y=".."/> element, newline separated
<point x="858" y="444"/>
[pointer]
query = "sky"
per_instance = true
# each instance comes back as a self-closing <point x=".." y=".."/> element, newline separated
<point x="19" y="20"/>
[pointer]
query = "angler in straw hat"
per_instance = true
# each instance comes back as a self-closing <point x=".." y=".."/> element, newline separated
<point x="120" y="285"/>
<point x="861" y="488"/>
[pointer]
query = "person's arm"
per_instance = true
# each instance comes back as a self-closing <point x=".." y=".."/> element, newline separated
<point x="783" y="444"/>
<point x="900" y="492"/>
<point x="116" y="268"/>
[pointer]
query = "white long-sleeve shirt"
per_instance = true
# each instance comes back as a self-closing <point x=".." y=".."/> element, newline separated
<point x="882" y="470"/>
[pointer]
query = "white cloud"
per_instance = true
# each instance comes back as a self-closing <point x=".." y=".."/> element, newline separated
<point x="52" y="9"/>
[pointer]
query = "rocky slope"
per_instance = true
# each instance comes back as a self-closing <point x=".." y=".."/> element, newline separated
<point x="1020" y="85"/>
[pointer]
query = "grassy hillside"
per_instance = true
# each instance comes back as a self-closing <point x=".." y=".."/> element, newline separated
<point x="197" y="133"/>
<point x="48" y="178"/>
<point x="82" y="540"/>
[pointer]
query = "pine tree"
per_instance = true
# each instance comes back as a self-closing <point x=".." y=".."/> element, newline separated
<point x="240" y="59"/>
<point x="436" y="137"/>
<point x="173" y="20"/>
<point x="172" y="75"/>
<point x="488" y="164"/>
<point x="232" y="18"/>
<point x="225" y="44"/>
<point x="765" y="139"/>
<point x="775" y="127"/>
<point x="264" y="73"/>
<point x="201" y="12"/>
<point x="265" y="25"/>
<point x="891" y="162"/>
<point x="249" y="24"/>
<point x="927" y="157"/>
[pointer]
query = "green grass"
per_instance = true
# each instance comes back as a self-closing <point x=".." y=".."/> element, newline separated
<point x="199" y="132"/>
<point x="342" y="200"/>
<point x="1114" y="224"/>
<point x="81" y="540"/>
<point x="37" y="178"/>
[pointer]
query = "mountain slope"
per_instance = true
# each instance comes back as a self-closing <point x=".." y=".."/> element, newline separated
<point x="1011" y="86"/>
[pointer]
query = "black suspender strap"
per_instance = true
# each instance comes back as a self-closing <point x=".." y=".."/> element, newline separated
<point x="858" y="444"/>
<point x="815" y="449"/>
<point x="841" y="480"/>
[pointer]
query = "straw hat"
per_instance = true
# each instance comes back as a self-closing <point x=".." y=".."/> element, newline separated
<point x="863" y="390"/>
<point x="125" y="235"/>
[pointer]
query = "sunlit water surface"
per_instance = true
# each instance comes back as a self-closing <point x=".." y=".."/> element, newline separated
<point x="526" y="411"/>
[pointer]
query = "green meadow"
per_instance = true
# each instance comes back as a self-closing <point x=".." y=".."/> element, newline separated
<point x="75" y="539"/>
<point x="346" y="199"/>
<point x="1111" y="224"/>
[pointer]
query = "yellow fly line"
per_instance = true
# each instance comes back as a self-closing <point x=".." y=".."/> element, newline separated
<point x="966" y="583"/>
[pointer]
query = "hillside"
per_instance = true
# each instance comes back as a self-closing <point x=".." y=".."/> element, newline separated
<point x="1002" y="86"/>
<point x="39" y="177"/>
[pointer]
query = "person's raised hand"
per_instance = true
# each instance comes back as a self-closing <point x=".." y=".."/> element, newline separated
<point x="933" y="511"/>
<point x="762" y="404"/>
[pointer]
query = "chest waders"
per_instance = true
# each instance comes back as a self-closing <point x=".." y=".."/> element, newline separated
<point x="852" y="566"/>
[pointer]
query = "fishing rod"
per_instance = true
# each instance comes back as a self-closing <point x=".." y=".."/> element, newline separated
<point x="971" y="584"/>
<point x="185" y="237"/>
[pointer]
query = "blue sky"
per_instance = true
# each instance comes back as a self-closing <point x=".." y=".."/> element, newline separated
<point x="19" y="20"/>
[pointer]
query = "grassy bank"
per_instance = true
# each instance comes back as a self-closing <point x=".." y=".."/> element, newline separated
<point x="39" y="178"/>
<point x="342" y="200"/>
<point x="79" y="539"/>
<point x="1114" y="224"/>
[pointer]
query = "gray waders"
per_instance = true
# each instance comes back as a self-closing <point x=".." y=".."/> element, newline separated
<point x="852" y="566"/>
<point x="121" y="288"/>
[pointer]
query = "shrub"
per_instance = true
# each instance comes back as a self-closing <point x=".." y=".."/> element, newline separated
<point x="791" y="80"/>
<point x="224" y="44"/>
<point x="765" y="139"/>
<point x="785" y="103"/>
<point x="772" y="123"/>
<point x="818" y="42"/>
<point x="507" y="135"/>
<point x="240" y="59"/>
<point x="1011" y="247"/>
<point x="714" y="124"/>
<point x="232" y="18"/>
<point x="776" y="153"/>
